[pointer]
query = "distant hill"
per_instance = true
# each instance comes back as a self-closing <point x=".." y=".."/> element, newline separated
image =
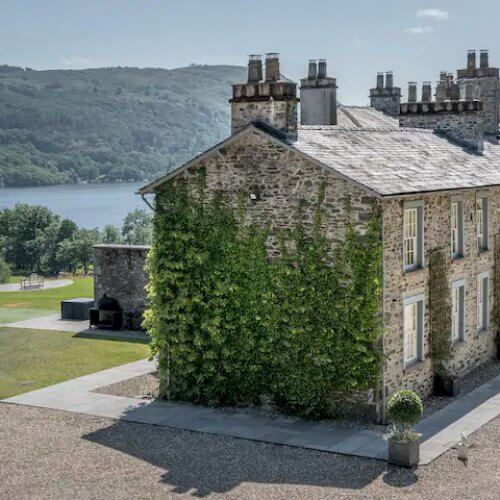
<point x="109" y="124"/>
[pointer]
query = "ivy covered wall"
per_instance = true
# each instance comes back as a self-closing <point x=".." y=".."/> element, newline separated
<point x="229" y="324"/>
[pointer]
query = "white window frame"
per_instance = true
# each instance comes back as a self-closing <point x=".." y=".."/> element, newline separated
<point x="482" y="223"/>
<point x="457" y="236"/>
<point x="458" y="311"/>
<point x="482" y="301"/>
<point x="416" y="301"/>
<point x="416" y="239"/>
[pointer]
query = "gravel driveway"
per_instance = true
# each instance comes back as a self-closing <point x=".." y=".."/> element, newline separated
<point x="54" y="454"/>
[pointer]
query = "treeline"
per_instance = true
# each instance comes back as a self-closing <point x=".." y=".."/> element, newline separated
<point x="109" y="124"/>
<point x="34" y="239"/>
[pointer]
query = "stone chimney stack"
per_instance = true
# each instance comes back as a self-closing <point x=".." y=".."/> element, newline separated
<point x="272" y="101"/>
<point x="426" y="92"/>
<point x="318" y="97"/>
<point x="412" y="91"/>
<point x="486" y="82"/>
<point x="255" y="68"/>
<point x="272" y="67"/>
<point x="386" y="98"/>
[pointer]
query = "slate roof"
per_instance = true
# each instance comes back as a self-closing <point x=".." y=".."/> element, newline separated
<point x="371" y="149"/>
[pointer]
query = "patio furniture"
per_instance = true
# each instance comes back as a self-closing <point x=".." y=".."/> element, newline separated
<point x="107" y="314"/>
<point x="78" y="308"/>
<point x="32" y="282"/>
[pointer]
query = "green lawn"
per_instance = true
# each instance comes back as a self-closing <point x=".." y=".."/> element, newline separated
<point x="30" y="359"/>
<point x="17" y="306"/>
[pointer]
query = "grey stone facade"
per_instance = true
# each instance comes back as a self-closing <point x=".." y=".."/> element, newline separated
<point x="478" y="347"/>
<point x="119" y="271"/>
<point x="461" y="121"/>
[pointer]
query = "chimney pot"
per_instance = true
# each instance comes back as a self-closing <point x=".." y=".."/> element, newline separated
<point x="412" y="91"/>
<point x="426" y="92"/>
<point x="322" y="68"/>
<point x="380" y="81"/>
<point x="389" y="80"/>
<point x="272" y="66"/>
<point x="313" y="69"/>
<point x="483" y="58"/>
<point x="471" y="59"/>
<point x="255" y="68"/>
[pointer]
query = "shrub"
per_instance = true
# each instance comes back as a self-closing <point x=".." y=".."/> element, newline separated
<point x="5" y="272"/>
<point x="404" y="409"/>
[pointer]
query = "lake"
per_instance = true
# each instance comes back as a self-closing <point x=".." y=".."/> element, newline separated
<point x="89" y="205"/>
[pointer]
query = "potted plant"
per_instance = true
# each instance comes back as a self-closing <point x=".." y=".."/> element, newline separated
<point x="445" y="384"/>
<point x="404" y="408"/>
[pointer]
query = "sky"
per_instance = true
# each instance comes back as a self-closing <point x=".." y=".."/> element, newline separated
<point x="415" y="39"/>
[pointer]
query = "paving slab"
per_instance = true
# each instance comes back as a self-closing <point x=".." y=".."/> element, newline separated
<point x="53" y="322"/>
<point x="440" y="431"/>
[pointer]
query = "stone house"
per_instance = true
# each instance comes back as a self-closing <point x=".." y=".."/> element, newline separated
<point x="432" y="166"/>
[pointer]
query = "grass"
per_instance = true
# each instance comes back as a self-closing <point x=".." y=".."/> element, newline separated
<point x="31" y="359"/>
<point x="17" y="306"/>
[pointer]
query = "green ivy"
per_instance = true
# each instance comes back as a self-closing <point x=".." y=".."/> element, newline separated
<point x="440" y="309"/>
<point x="229" y="324"/>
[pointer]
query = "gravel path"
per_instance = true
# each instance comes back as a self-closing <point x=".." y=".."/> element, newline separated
<point x="54" y="454"/>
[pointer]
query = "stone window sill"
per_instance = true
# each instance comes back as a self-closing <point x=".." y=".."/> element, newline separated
<point x="459" y="344"/>
<point x="413" y="366"/>
<point x="413" y="271"/>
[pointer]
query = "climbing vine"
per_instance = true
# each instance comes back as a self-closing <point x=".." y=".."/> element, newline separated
<point x="440" y="310"/>
<point x="229" y="324"/>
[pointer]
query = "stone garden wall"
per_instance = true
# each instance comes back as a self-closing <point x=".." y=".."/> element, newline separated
<point x="119" y="272"/>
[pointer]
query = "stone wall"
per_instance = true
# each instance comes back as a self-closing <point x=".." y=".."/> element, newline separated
<point x="119" y="272"/>
<point x="279" y="178"/>
<point x="386" y="100"/>
<point x="461" y="121"/>
<point x="478" y="347"/>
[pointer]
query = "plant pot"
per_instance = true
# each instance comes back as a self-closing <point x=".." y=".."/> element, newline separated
<point x="404" y="453"/>
<point x="445" y="385"/>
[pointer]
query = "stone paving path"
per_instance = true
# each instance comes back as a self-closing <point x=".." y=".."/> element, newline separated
<point x="440" y="431"/>
<point x="53" y="322"/>
<point x="48" y="284"/>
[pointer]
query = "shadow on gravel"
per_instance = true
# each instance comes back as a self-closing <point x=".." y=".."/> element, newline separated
<point x="399" y="477"/>
<point x="201" y="464"/>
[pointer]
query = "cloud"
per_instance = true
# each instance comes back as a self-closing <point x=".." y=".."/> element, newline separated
<point x="436" y="14"/>
<point x="79" y="62"/>
<point x="359" y="42"/>
<point x="419" y="30"/>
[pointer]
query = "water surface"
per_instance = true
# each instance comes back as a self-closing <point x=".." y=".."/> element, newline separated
<point x="89" y="205"/>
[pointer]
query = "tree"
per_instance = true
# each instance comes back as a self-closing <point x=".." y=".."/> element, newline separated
<point x="22" y="235"/>
<point x="77" y="251"/>
<point x="111" y="234"/>
<point x="4" y="271"/>
<point x="138" y="227"/>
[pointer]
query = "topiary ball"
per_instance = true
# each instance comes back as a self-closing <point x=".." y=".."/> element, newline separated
<point x="405" y="407"/>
